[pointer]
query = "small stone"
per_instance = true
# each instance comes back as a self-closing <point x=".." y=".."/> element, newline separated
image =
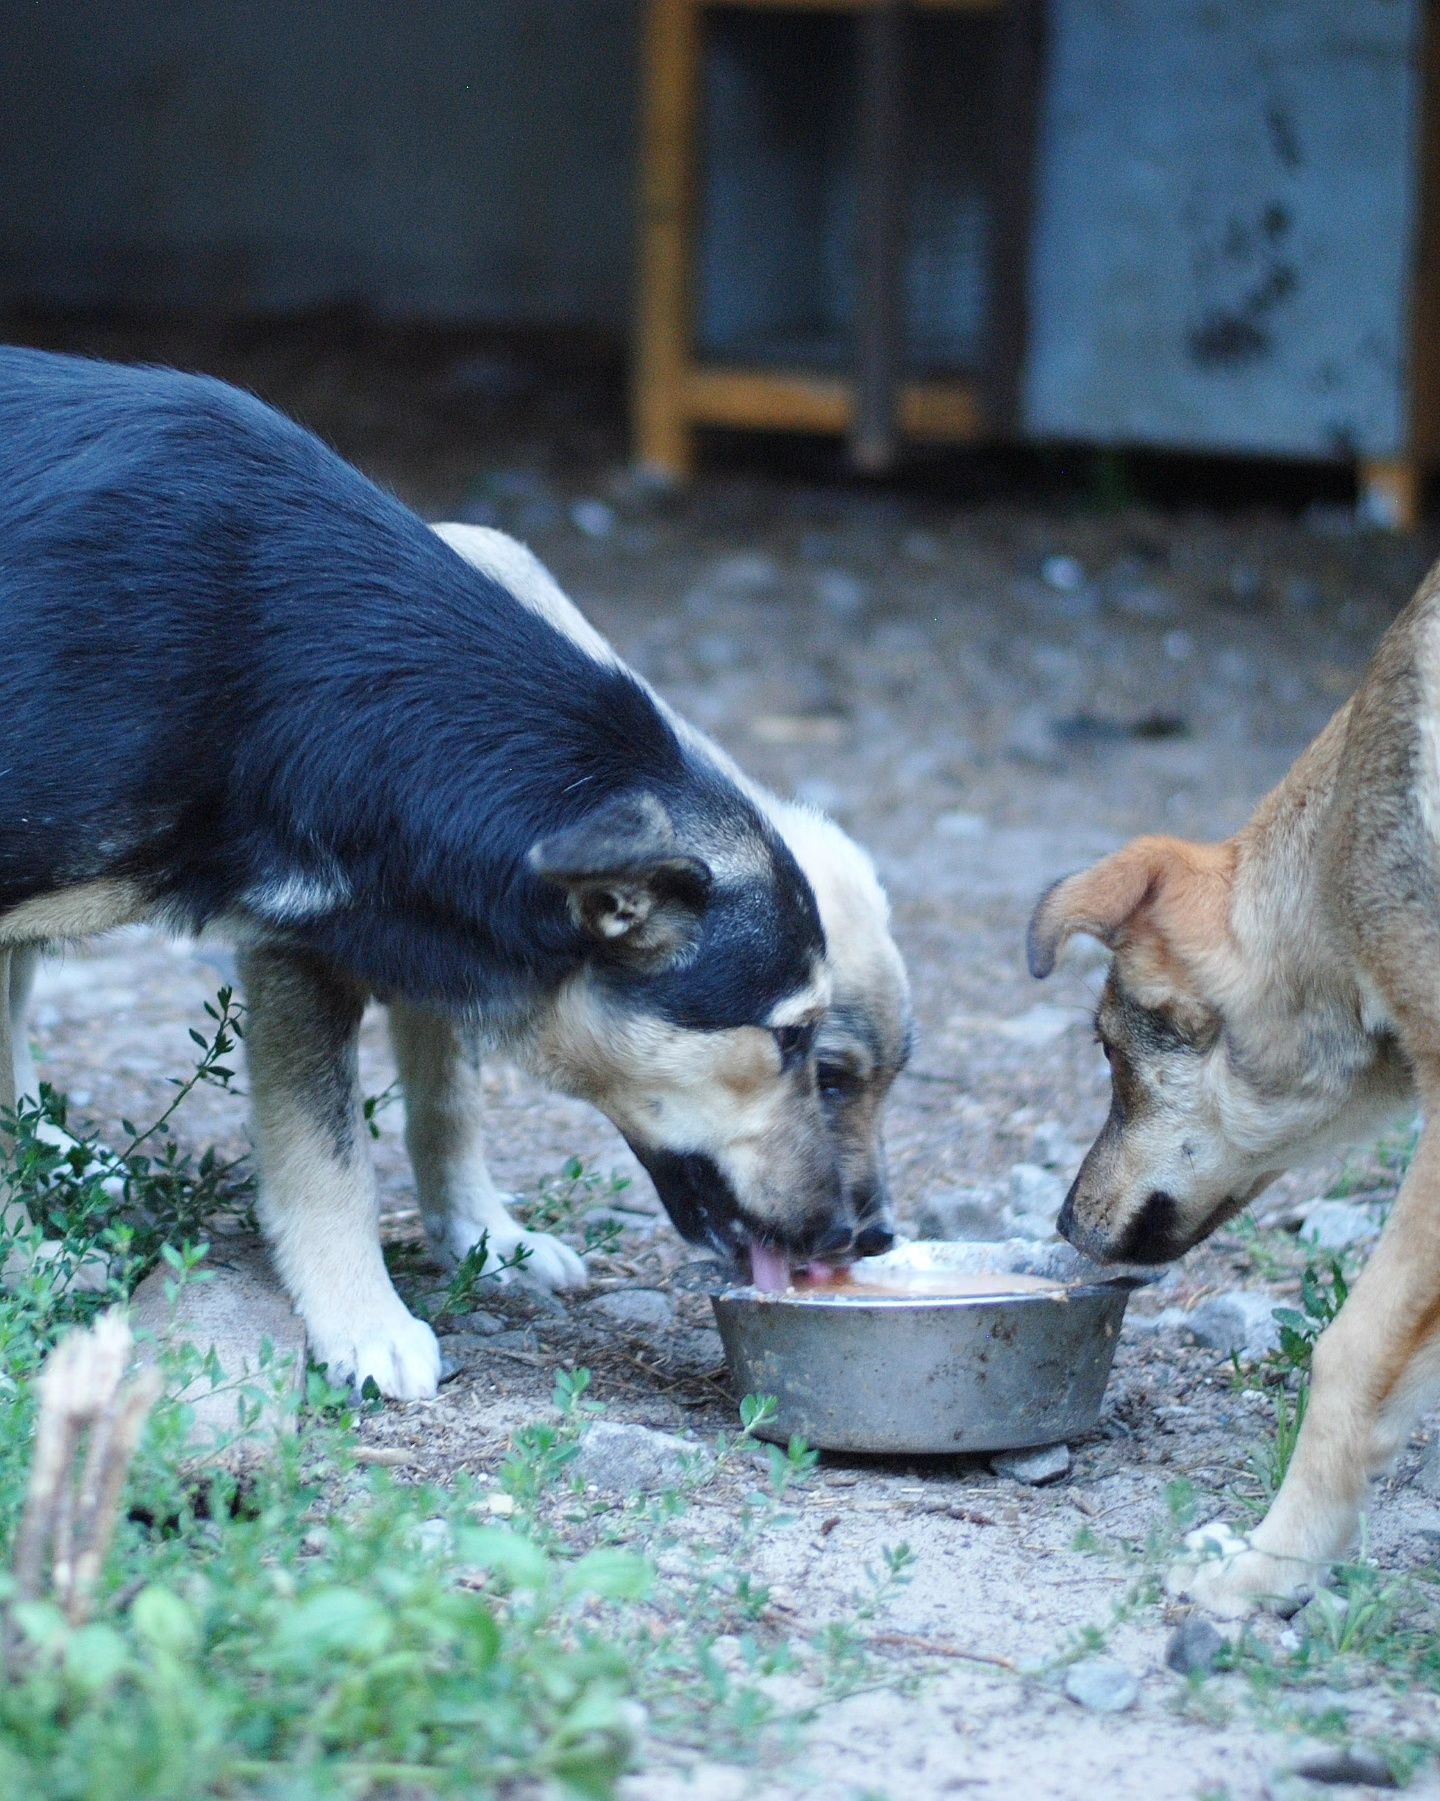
<point x="1168" y="1319"/>
<point x="593" y="518"/>
<point x="434" y="1536"/>
<point x="1063" y="574"/>
<point x="623" y="1459"/>
<point x="962" y="825"/>
<point x="1237" y="1322"/>
<point x="1336" y="1225"/>
<point x="841" y="594"/>
<point x="1102" y="1685"/>
<point x="960" y="1213"/>
<point x="634" y="1309"/>
<point x="1427" y="1477"/>
<point x="748" y="572"/>
<point x="1037" y="1468"/>
<point x="1036" y="1197"/>
<point x="1346" y="1764"/>
<point x="236" y="1312"/>
<point x="1195" y="1646"/>
<point x="479" y="1322"/>
<point x="700" y="1347"/>
<point x="1053" y="1148"/>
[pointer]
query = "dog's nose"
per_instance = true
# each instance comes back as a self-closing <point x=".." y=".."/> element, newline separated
<point x="839" y="1238"/>
<point x="873" y="1239"/>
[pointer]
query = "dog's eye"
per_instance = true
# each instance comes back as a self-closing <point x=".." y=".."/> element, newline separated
<point x="837" y="1082"/>
<point x="793" y="1043"/>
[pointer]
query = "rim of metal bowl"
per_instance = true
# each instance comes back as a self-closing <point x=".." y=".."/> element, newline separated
<point x="818" y="1297"/>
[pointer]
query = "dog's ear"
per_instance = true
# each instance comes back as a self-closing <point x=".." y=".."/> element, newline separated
<point x="628" y="883"/>
<point x="1165" y="886"/>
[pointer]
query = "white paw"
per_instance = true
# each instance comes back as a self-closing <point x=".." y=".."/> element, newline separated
<point x="103" y="1164"/>
<point x="1227" y="1576"/>
<point x="551" y="1264"/>
<point x="397" y="1351"/>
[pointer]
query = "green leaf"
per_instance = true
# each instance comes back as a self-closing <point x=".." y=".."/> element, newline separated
<point x="164" y="1622"/>
<point x="333" y="1622"/>
<point x="95" y="1656"/>
<point x="510" y="1555"/>
<point x="611" y="1574"/>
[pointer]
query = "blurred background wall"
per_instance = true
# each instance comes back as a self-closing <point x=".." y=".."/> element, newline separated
<point x="434" y="159"/>
<point x="1219" y="246"/>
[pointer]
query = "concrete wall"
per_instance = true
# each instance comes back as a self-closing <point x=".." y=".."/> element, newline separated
<point x="1226" y="213"/>
<point x="443" y="158"/>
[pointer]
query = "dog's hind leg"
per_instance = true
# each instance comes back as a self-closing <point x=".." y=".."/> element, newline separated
<point x="318" y="1202"/>
<point x="439" y="1064"/>
<point x="1376" y="1368"/>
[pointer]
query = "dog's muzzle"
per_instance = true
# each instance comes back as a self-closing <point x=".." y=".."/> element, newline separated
<point x="705" y="1210"/>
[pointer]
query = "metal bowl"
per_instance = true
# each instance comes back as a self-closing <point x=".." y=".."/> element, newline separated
<point x="926" y="1372"/>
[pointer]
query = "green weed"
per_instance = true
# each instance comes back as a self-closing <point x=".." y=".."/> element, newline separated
<point x="318" y="1628"/>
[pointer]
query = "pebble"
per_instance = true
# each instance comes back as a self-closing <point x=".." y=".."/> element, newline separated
<point x="1195" y="1646"/>
<point x="480" y="1322"/>
<point x="1345" y="1764"/>
<point x="636" y="1309"/>
<point x="1037" y="1468"/>
<point x="1336" y="1225"/>
<point x="235" y="1313"/>
<point x="962" y="825"/>
<point x="1064" y="574"/>
<point x="960" y="1213"/>
<point x="1427" y="1477"/>
<point x="1035" y="1198"/>
<point x="1237" y="1321"/>
<point x="842" y="595"/>
<point x="593" y="518"/>
<point x="623" y="1459"/>
<point x="1053" y="1148"/>
<point x="434" y="1535"/>
<point x="1102" y="1685"/>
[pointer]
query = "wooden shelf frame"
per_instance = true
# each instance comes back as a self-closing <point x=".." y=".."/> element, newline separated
<point x="673" y="391"/>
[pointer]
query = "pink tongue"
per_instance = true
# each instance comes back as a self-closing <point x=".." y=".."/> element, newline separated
<point x="769" y="1268"/>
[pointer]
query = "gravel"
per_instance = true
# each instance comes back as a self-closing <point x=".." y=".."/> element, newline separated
<point x="624" y="1459"/>
<point x="1237" y="1322"/>
<point x="1337" y="1225"/>
<point x="1035" y="1468"/>
<point x="1102" y="1684"/>
<point x="635" y="1309"/>
<point x="1195" y="1646"/>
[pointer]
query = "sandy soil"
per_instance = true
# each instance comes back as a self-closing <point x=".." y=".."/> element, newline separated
<point x="987" y="694"/>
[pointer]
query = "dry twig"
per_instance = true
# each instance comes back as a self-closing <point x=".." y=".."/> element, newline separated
<point x="86" y="1406"/>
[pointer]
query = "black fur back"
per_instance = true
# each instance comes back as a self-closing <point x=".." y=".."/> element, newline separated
<point x="228" y="660"/>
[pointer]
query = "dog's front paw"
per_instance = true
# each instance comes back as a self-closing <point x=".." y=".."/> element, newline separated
<point x="397" y="1352"/>
<point x="549" y="1262"/>
<point x="1225" y="1575"/>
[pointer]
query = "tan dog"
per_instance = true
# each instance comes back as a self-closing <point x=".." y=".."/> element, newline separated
<point x="1270" y="997"/>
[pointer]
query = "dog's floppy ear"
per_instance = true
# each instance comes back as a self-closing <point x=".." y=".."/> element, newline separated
<point x="627" y="881"/>
<point x="1165" y="884"/>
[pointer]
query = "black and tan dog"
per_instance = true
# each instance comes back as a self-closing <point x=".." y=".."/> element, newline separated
<point x="1271" y="997"/>
<point x="293" y="715"/>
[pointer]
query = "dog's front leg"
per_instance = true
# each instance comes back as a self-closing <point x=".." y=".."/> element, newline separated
<point x="318" y="1202"/>
<point x="439" y="1064"/>
<point x="1376" y="1368"/>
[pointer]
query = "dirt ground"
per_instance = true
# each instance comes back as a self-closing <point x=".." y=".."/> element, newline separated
<point x="987" y="690"/>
